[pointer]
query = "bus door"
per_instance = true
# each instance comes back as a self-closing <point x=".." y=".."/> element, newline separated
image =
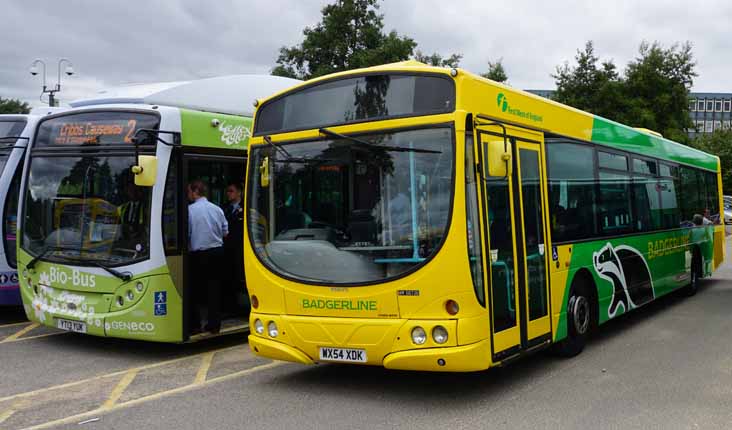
<point x="515" y="237"/>
<point x="218" y="172"/>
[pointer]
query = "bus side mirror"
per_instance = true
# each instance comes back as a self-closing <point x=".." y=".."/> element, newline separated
<point x="264" y="173"/>
<point x="146" y="170"/>
<point x="498" y="159"/>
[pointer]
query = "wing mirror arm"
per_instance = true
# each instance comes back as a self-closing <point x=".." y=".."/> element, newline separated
<point x="493" y="153"/>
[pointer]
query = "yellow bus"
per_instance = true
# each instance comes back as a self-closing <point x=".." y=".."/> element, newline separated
<point x="424" y="218"/>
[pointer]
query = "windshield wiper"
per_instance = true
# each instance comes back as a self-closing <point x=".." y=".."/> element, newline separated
<point x="31" y="264"/>
<point x="332" y="133"/>
<point x="277" y="147"/>
<point x="48" y="249"/>
<point x="125" y="276"/>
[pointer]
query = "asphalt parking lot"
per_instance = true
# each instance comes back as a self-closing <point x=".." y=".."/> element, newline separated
<point x="667" y="366"/>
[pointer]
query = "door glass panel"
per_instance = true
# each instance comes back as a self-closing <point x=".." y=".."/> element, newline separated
<point x="475" y="256"/>
<point x="534" y="232"/>
<point x="501" y="253"/>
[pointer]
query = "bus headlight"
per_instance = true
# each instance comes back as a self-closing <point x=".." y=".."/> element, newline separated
<point x="439" y="334"/>
<point x="139" y="287"/>
<point x="419" y="337"/>
<point x="272" y="329"/>
<point x="130" y="295"/>
<point x="120" y="301"/>
<point x="258" y="326"/>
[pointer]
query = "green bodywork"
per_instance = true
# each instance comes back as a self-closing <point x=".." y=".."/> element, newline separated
<point x="212" y="130"/>
<point x="667" y="256"/>
<point x="57" y="291"/>
<point x="618" y="136"/>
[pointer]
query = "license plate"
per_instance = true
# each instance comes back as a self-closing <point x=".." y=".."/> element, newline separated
<point x="68" y="325"/>
<point x="343" y="354"/>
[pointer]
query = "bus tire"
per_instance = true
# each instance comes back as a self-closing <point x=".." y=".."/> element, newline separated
<point x="580" y="313"/>
<point x="695" y="275"/>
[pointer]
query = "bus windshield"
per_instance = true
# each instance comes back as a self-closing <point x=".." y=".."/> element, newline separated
<point x="351" y="210"/>
<point x="86" y="208"/>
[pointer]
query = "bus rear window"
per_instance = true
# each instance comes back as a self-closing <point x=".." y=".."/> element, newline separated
<point x="370" y="97"/>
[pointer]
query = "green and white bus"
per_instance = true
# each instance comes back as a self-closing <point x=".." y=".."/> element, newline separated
<point x="103" y="245"/>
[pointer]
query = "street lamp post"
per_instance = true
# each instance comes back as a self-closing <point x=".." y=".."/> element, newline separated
<point x="52" y="91"/>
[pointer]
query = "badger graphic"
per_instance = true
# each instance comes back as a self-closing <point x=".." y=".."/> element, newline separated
<point x="628" y="271"/>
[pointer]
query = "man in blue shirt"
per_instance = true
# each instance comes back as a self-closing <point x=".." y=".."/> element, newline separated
<point x="207" y="228"/>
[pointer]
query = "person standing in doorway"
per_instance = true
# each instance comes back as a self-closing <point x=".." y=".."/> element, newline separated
<point x="234" y="248"/>
<point x="207" y="228"/>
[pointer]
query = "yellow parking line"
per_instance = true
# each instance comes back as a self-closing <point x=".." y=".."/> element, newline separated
<point x="20" y="333"/>
<point x="36" y="337"/>
<point x="119" y="389"/>
<point x="10" y="412"/>
<point x="205" y="365"/>
<point x="108" y="375"/>
<point x="5" y="415"/>
<point x="14" y="324"/>
<point x="96" y="412"/>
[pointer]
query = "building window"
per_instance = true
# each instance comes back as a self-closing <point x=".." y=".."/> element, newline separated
<point x="708" y="127"/>
<point x="710" y="105"/>
<point x="718" y="106"/>
<point x="700" y="126"/>
<point x="717" y="125"/>
<point x="692" y="105"/>
<point x="700" y="105"/>
<point x="725" y="125"/>
<point x="727" y="104"/>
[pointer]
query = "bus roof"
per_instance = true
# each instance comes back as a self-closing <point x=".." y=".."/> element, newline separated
<point x="504" y="103"/>
<point x="232" y="94"/>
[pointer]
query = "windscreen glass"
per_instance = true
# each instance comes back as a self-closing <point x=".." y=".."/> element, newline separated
<point x="345" y="211"/>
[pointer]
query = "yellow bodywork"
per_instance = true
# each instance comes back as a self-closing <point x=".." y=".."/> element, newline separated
<point x="383" y="330"/>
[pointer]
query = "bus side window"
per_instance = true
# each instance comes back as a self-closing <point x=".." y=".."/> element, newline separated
<point x="572" y="196"/>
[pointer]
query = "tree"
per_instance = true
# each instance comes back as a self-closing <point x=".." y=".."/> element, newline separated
<point x="496" y="71"/>
<point x="349" y="36"/>
<point x="719" y="143"/>
<point x="657" y="86"/>
<point x="15" y="106"/>
<point x="590" y="85"/>
<point x="437" y="60"/>
<point x="652" y="92"/>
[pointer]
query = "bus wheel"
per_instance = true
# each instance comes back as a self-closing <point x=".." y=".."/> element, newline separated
<point x="696" y="274"/>
<point x="579" y="321"/>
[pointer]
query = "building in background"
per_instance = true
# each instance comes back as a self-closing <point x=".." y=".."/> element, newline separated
<point x="708" y="111"/>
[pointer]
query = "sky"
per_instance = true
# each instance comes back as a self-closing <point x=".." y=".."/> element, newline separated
<point x="112" y="43"/>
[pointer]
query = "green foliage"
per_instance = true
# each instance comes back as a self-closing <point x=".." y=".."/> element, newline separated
<point x="590" y="85"/>
<point x="349" y="36"/>
<point x="653" y="91"/>
<point x="657" y="85"/>
<point x="13" y="106"/>
<point x="719" y="143"/>
<point x="437" y="60"/>
<point x="496" y="71"/>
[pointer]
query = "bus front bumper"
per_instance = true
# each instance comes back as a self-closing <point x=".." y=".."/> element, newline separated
<point x="465" y="358"/>
<point x="384" y="343"/>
